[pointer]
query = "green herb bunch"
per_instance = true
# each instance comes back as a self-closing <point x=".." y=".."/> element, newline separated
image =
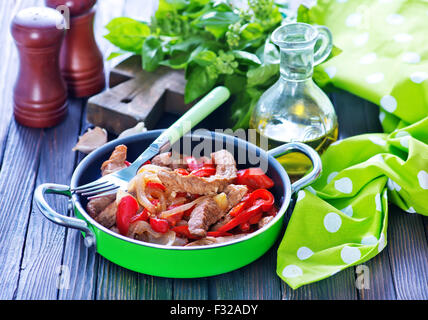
<point x="215" y="42"/>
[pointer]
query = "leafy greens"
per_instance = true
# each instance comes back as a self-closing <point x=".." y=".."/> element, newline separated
<point x="215" y="42"/>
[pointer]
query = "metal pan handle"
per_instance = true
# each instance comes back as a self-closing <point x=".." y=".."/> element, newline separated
<point x="62" y="220"/>
<point x="306" y="150"/>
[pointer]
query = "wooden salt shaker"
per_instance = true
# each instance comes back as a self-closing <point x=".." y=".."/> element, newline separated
<point x="40" y="94"/>
<point x="81" y="61"/>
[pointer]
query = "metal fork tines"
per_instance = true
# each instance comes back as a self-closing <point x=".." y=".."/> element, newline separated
<point x="90" y="186"/>
<point x="111" y="183"/>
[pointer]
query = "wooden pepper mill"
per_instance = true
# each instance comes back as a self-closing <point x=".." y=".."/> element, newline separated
<point x="40" y="93"/>
<point x="82" y="64"/>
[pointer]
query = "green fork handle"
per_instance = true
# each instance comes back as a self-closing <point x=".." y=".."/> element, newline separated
<point x="196" y="114"/>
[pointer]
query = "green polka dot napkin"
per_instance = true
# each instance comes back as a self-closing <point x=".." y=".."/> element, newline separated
<point x="341" y="219"/>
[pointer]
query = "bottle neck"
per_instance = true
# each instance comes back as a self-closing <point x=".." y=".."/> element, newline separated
<point x="296" y="65"/>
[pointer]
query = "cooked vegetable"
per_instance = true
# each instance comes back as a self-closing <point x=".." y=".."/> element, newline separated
<point x="250" y="210"/>
<point x="159" y="225"/>
<point x="126" y="209"/>
<point x="142" y="216"/>
<point x="155" y="211"/>
<point x="254" y="178"/>
<point x="204" y="172"/>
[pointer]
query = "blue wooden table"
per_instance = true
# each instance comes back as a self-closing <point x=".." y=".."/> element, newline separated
<point x="40" y="260"/>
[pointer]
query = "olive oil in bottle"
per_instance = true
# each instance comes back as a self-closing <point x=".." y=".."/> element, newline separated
<point x="295" y="109"/>
<point x="296" y="163"/>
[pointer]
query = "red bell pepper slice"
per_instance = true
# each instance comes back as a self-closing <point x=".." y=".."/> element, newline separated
<point x="204" y="172"/>
<point x="256" y="218"/>
<point x="254" y="178"/>
<point x="245" y="226"/>
<point x="218" y="234"/>
<point x="159" y="225"/>
<point x="184" y="232"/>
<point x="264" y="195"/>
<point x="127" y="163"/>
<point x="243" y="217"/>
<point x="238" y="208"/>
<point x="126" y="209"/>
<point x="249" y="199"/>
<point x="155" y="185"/>
<point x="143" y="216"/>
<point x="182" y="171"/>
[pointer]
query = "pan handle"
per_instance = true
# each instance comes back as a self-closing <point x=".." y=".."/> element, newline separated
<point x="306" y="150"/>
<point x="62" y="220"/>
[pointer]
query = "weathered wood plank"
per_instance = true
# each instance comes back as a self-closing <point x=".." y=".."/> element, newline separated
<point x="256" y="281"/>
<point x="190" y="289"/>
<point x="341" y="286"/>
<point x="80" y="261"/>
<point x="380" y="285"/>
<point x="17" y="181"/>
<point x="408" y="252"/>
<point x="43" y="254"/>
<point x="19" y="157"/>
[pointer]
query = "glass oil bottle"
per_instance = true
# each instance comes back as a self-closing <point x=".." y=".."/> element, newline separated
<point x="295" y="109"/>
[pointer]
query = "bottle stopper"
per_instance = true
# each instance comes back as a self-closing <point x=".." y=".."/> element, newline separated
<point x="40" y="93"/>
<point x="82" y="64"/>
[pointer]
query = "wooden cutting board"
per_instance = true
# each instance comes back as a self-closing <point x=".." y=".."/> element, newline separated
<point x="135" y="95"/>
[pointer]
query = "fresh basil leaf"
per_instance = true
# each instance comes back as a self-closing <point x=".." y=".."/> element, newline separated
<point x="127" y="34"/>
<point x="114" y="55"/>
<point x="152" y="53"/>
<point x="216" y="31"/>
<point x="243" y="107"/>
<point x="222" y="5"/>
<point x="214" y="18"/>
<point x="205" y="58"/>
<point x="246" y="57"/>
<point x="235" y="83"/>
<point x="198" y="84"/>
<point x="167" y="6"/>
<point x="216" y="22"/>
<point x="177" y="62"/>
<point x="262" y="74"/>
<point x="186" y="45"/>
<point x="251" y="31"/>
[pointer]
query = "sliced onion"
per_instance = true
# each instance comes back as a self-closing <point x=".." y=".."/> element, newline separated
<point x="158" y="194"/>
<point x="142" y="230"/>
<point x="180" y="242"/>
<point x="167" y="238"/>
<point x="141" y="194"/>
<point x="181" y="208"/>
<point x="150" y="168"/>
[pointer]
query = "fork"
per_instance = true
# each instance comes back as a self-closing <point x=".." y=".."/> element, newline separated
<point x="111" y="183"/>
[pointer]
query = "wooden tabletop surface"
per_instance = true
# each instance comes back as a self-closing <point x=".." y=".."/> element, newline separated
<point x="41" y="260"/>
